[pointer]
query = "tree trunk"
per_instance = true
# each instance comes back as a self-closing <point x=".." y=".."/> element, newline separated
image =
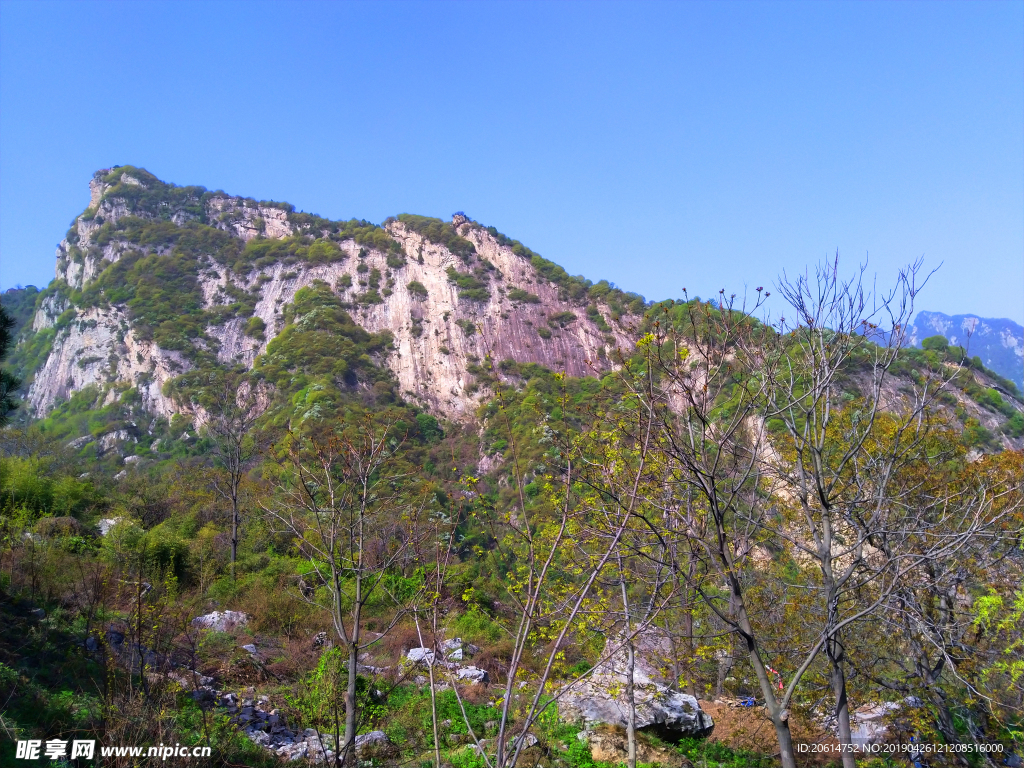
<point x="785" y="739"/>
<point x="350" y="704"/>
<point x="838" y="680"/>
<point x="630" y="666"/>
<point x="234" y="536"/>
<point x="779" y="715"/>
<point x="631" y="699"/>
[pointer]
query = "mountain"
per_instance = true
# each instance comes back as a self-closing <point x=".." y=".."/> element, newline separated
<point x="160" y="288"/>
<point x="999" y="342"/>
<point x="155" y="280"/>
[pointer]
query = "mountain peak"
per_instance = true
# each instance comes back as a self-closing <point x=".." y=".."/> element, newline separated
<point x="156" y="280"/>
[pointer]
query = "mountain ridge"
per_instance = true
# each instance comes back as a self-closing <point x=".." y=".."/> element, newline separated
<point x="158" y="285"/>
<point x="999" y="342"/>
<point x="451" y="294"/>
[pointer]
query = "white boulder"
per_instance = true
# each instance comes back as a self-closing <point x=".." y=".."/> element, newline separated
<point x="221" y="621"/>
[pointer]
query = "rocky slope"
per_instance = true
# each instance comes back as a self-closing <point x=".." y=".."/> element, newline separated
<point x="450" y="294"/>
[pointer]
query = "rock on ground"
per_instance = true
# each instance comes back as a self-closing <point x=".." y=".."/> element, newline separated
<point x="221" y="621"/>
<point x="601" y="698"/>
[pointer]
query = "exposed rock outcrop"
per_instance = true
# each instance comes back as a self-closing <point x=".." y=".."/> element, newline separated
<point x="601" y="698"/>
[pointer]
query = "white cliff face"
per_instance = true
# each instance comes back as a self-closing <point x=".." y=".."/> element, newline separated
<point x="248" y="221"/>
<point x="437" y="336"/>
<point x="431" y="367"/>
<point x="100" y="347"/>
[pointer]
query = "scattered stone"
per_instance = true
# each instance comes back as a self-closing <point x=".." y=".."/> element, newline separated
<point x="529" y="740"/>
<point x="221" y="621"/>
<point x="601" y="698"/>
<point x="260" y="737"/>
<point x="473" y="675"/>
<point x="322" y="640"/>
<point x="450" y="646"/>
<point x="420" y="655"/>
<point x="251" y="648"/>
<point x="871" y="723"/>
<point x="609" y="746"/>
<point x="38" y="613"/>
<point x="372" y="740"/>
<point x="79" y="442"/>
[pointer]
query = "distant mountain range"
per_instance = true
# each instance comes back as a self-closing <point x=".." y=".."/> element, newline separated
<point x="999" y="342"/>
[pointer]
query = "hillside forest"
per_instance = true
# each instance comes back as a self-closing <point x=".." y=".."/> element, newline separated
<point x="714" y="540"/>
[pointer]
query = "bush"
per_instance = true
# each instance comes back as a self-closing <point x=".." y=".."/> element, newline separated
<point x="470" y="286"/>
<point x="936" y="343"/>
<point x="417" y="289"/>
<point x="476" y="626"/>
<point x="561" y="319"/>
<point x="440" y="232"/>
<point x="255" y="328"/>
<point x="1014" y="426"/>
<point x="520" y="296"/>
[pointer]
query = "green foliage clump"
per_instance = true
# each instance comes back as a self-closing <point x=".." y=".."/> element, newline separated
<point x="153" y="197"/>
<point x="162" y="294"/>
<point x="561" y="319"/>
<point x="20" y="304"/>
<point x="935" y="343"/>
<point x="715" y="754"/>
<point x="439" y="232"/>
<point x="1014" y="426"/>
<point x="471" y="286"/>
<point x="321" y="355"/>
<point x="30" y="488"/>
<point x="572" y="288"/>
<point x="519" y="296"/>
<point x="595" y="316"/>
<point x="255" y="328"/>
<point x="362" y="231"/>
<point x="417" y="289"/>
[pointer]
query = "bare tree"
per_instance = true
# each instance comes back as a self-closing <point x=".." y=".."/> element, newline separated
<point x="703" y="394"/>
<point x="353" y="508"/>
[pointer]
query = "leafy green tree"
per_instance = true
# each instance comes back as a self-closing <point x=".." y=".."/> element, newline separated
<point x="936" y="343"/>
<point x="9" y="383"/>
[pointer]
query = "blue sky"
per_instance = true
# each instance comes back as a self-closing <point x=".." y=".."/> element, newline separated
<point x="655" y="145"/>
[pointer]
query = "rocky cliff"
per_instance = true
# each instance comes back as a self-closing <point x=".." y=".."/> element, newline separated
<point x="154" y="279"/>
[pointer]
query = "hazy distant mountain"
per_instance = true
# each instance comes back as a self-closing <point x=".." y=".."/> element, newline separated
<point x="999" y="342"/>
